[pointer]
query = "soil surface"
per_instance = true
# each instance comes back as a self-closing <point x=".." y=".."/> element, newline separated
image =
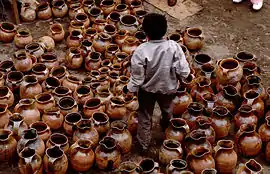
<point x="228" y="28"/>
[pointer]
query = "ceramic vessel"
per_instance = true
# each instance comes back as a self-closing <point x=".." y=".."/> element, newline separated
<point x="57" y="32"/>
<point x="30" y="87"/>
<point x="59" y="72"/>
<point x="6" y="96"/>
<point x="171" y="149"/>
<point x="59" y="8"/>
<point x="44" y="11"/>
<point x="95" y="13"/>
<point x="114" y="17"/>
<point x="92" y="61"/>
<point x="148" y="165"/>
<point x="176" y="37"/>
<point x="22" y="37"/>
<point x="101" y="41"/>
<point x="193" y="38"/>
<point x="90" y="33"/>
<point x="87" y="5"/>
<point x="92" y="105"/>
<point x="107" y="6"/>
<point x="253" y="99"/>
<point x="204" y="124"/>
<point x="43" y="130"/>
<point x="176" y="166"/>
<point x="71" y="120"/>
<point x="188" y="82"/>
<point x="7" y="145"/>
<point x="74" y="39"/>
<point x="67" y="105"/>
<point x="193" y="111"/>
<point x="76" y="26"/>
<point x="111" y="51"/>
<point x="60" y="92"/>
<point x="250" y="166"/>
<point x="130" y="44"/>
<point x="86" y="47"/>
<point x="53" y="118"/>
<point x="250" y="68"/>
<point x="73" y="59"/>
<point x="122" y="9"/>
<point x="44" y="101"/>
<point x="75" y="9"/>
<point x="120" y="37"/>
<point x="140" y="14"/>
<point x="116" y="108"/>
<point x="82" y="17"/>
<point x="200" y="60"/>
<point x="82" y="93"/>
<point x="203" y="86"/>
<point x="59" y="140"/>
<point x="22" y="61"/>
<point x="181" y="101"/>
<point x="16" y="125"/>
<point x="35" y="48"/>
<point x="6" y="66"/>
<point x="28" y="14"/>
<point x="47" y="43"/>
<point x="177" y="130"/>
<point x="128" y="167"/>
<point x="50" y="60"/>
<point x="40" y="71"/>
<point x="245" y="115"/>
<point x="245" y="56"/>
<point x="101" y="123"/>
<point x="71" y="82"/>
<point x="264" y="130"/>
<point x="128" y="23"/>
<point x="49" y="84"/>
<point x="221" y="121"/>
<point x="5" y="114"/>
<point x="253" y="82"/>
<point x="7" y="32"/>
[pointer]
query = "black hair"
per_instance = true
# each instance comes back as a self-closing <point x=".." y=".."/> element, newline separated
<point x="155" y="26"/>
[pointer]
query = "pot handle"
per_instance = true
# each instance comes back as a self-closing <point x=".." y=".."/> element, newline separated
<point x="156" y="165"/>
<point x="16" y="126"/>
<point x="74" y="148"/>
<point x="216" y="149"/>
<point x="186" y="127"/>
<point x="50" y="163"/>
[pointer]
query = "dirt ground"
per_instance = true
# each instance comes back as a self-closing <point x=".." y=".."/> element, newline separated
<point x="228" y="29"/>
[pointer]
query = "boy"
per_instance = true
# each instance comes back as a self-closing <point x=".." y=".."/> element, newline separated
<point x="156" y="67"/>
<point x="256" y="4"/>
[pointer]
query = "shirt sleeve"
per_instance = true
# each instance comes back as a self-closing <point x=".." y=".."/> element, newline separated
<point x="180" y="63"/>
<point x="137" y="72"/>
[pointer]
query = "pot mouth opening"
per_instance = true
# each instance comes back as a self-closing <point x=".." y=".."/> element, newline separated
<point x="61" y="90"/>
<point x="119" y="125"/>
<point x="94" y="102"/>
<point x="49" y="57"/>
<point x="247" y="128"/>
<point x="26" y="101"/>
<point x="75" y="33"/>
<point x="8" y="26"/>
<point x="109" y="142"/>
<point x="91" y="31"/>
<point x="54" y="152"/>
<point x="73" y="117"/>
<point x="81" y="16"/>
<point x="52" y="110"/>
<point x="128" y="167"/>
<point x="197" y="134"/>
<point x="202" y="58"/>
<point x="253" y="79"/>
<point x="106" y="62"/>
<point x="53" y="82"/>
<point x="95" y="73"/>
<point x="204" y="121"/>
<point x="66" y="102"/>
<point x="199" y="152"/>
<point x="88" y="2"/>
<point x="221" y="111"/>
<point x="195" y="32"/>
<point x="195" y="107"/>
<point x="110" y="28"/>
<point x="28" y="152"/>
<point x="253" y="166"/>
<point x="73" y="78"/>
<point x="95" y="85"/>
<point x="229" y="64"/>
<point x="58" y="138"/>
<point x="58" y="71"/>
<point x="227" y="144"/>
<point x="30" y="134"/>
<point x="208" y="68"/>
<point x="249" y="66"/>
<point x="136" y="3"/>
<point x="209" y="97"/>
<point x="84" y="144"/>
<point x="188" y="79"/>
<point x="178" y="123"/>
<point x="3" y="107"/>
<point x="43" y="6"/>
<point x="171" y="144"/>
<point x="6" y="64"/>
<point x="3" y="91"/>
<point x="56" y="28"/>
<point x="23" y="32"/>
<point x="16" y="117"/>
<point x="107" y="2"/>
<point x="32" y="46"/>
<point x="147" y="165"/>
<point x="114" y="75"/>
<point x="75" y="6"/>
<point x="117" y="100"/>
<point x="230" y="90"/>
<point x="121" y="7"/>
<point x="209" y="171"/>
<point x="121" y="55"/>
<point x="245" y="109"/>
<point x="140" y="35"/>
<point x="39" y="67"/>
<point x="95" y="55"/>
<point x="114" y="16"/>
<point x="204" y="82"/>
<point x="39" y="126"/>
<point x="128" y="20"/>
<point x="124" y="79"/>
<point x="116" y="66"/>
<point x="104" y="70"/>
<point x="30" y="79"/>
<point x="95" y="11"/>
<point x="112" y="47"/>
<point x="83" y="90"/>
<point x="179" y="164"/>
<point x="244" y="56"/>
<point x="100" y="117"/>
<point x="176" y="37"/>
<point x="84" y="124"/>
<point x="87" y="43"/>
<point x="58" y="3"/>
<point x="44" y="97"/>
<point x="75" y="50"/>
<point x="4" y="134"/>
<point x="15" y="76"/>
<point x="251" y="94"/>
<point x="141" y="13"/>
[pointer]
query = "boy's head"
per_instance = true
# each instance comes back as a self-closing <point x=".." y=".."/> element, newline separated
<point x="155" y="26"/>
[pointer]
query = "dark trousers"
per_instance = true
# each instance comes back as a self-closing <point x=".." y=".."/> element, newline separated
<point x="147" y="102"/>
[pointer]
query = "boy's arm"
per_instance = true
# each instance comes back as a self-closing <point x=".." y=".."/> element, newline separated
<point x="181" y="65"/>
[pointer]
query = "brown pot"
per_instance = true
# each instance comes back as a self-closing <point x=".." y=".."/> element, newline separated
<point x="50" y="60"/>
<point x="30" y="87"/>
<point x="244" y="56"/>
<point x="92" y="61"/>
<point x="5" y="114"/>
<point x="41" y="72"/>
<point x="120" y="37"/>
<point x="6" y="66"/>
<point x="60" y="72"/>
<point x="111" y="51"/>
<point x="59" y="8"/>
<point x="141" y="36"/>
<point x="204" y="124"/>
<point x="53" y="118"/>
<point x="92" y="105"/>
<point x="44" y="101"/>
<point x="221" y="121"/>
<point x="193" y="111"/>
<point x="149" y="166"/>
<point x="28" y="110"/>
<point x="22" y="61"/>
<point x="136" y="5"/>
<point x="248" y="141"/>
<point x="108" y="155"/>
<point x="101" y="123"/>
<point x="6" y="96"/>
<point x="200" y="60"/>
<point x="122" y="9"/>
<point x="71" y="82"/>
<point x="253" y="82"/>
<point x="43" y="130"/>
<point x="130" y="44"/>
<point x="107" y="6"/>
<point x="193" y="38"/>
<point x="225" y="156"/>
<point x="114" y="17"/>
<point x="245" y="115"/>
<point x="207" y="70"/>
<point x="81" y="150"/>
<point x="132" y="104"/>
<point x="86" y="47"/>
<point x="47" y="43"/>
<point x="122" y="58"/>
<point x="128" y="167"/>
<point x="176" y="166"/>
<point x="44" y="11"/>
<point x="90" y="33"/>
<point x="82" y="17"/>
<point x="60" y="92"/>
<point x="250" y="166"/>
<point x="140" y="14"/>
<point x="59" y="140"/>
<point x="87" y="5"/>
<point x="22" y="37"/>
<point x="31" y="139"/>
<point x="74" y="39"/>
<point x="99" y="25"/>
<point x="28" y="14"/>
<point x="7" y="145"/>
<point x="84" y="130"/>
<point x="176" y="37"/>
<point x="35" y="48"/>
<point x="67" y="104"/>
<point x="104" y="71"/>
<point x="181" y="101"/>
<point x="101" y="41"/>
<point x="55" y="160"/>
<point x="104" y="94"/>
<point x="171" y="149"/>
<point x="95" y="13"/>
<point x="50" y="84"/>
<point x="253" y="99"/>
<point x="208" y="100"/>
<point x="71" y="120"/>
<point x="57" y="32"/>
<point x="87" y="81"/>
<point x="116" y="108"/>
<point x="264" y="130"/>
<point x="209" y="171"/>
<point x="73" y="59"/>
<point x="119" y="85"/>
<point x="203" y="86"/>
<point x="82" y="94"/>
<point x="113" y="77"/>
<point x="188" y="82"/>
<point x="177" y="130"/>
<point x="76" y="26"/>
<point x="128" y="23"/>
<point x="7" y="32"/>
<point x="75" y="9"/>
<point x="250" y="68"/>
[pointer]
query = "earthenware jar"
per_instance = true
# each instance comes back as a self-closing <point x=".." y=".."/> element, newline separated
<point x="176" y="166"/>
<point x="250" y="167"/>
<point x="244" y="56"/>
<point x="149" y="166"/>
<point x="122" y="9"/>
<point x="76" y="26"/>
<point x="7" y="145"/>
<point x="250" y="68"/>
<point x="132" y="103"/>
<point x="199" y="159"/>
<point x="99" y="25"/>
<point x="119" y="85"/>
<point x="6" y="96"/>
<point x="90" y="33"/>
<point x="22" y="37"/>
<point x="30" y="87"/>
<point x="95" y="13"/>
<point x="92" y="105"/>
<point x="67" y="104"/>
<point x="116" y="108"/>
<point x="193" y="38"/>
<point x="44" y="11"/>
<point x="264" y="130"/>
<point x="113" y="77"/>
<point x="129" y="23"/>
<point x="104" y="71"/>
<point x="74" y="39"/>
<point x="181" y="101"/>
<point x="47" y="43"/>
<point x="59" y="140"/>
<point x="87" y="5"/>
<point x="108" y="155"/>
<point x="75" y="9"/>
<point x="107" y="6"/>
<point x="248" y="141"/>
<point x="53" y="118"/>
<point x="73" y="58"/>
<point x="120" y="37"/>
<point x="22" y="61"/>
<point x="225" y="156"/>
<point x="171" y="149"/>
<point x="6" y="66"/>
<point x="101" y="41"/>
<point x="195" y="140"/>
<point x="71" y="120"/>
<point x="177" y="129"/>
<point x="130" y="44"/>
<point x="92" y="61"/>
<point x="5" y="114"/>
<point x="43" y="130"/>
<point x="7" y="32"/>
<point x="128" y="167"/>
<point x="40" y="71"/>
<point x="86" y="47"/>
<point x="209" y="171"/>
<point x="16" y="125"/>
<point x="117" y="67"/>
<point x="94" y="86"/>
<point x="50" y="84"/>
<point x="87" y="81"/>
<point x="60" y="92"/>
<point x="208" y="100"/>
<point x="59" y="8"/>
<point x="104" y="94"/>
<point x="136" y="5"/>
<point x="122" y="135"/>
<point x="50" y="60"/>
<point x="111" y="51"/>
<point x="245" y="115"/>
<point x="200" y="60"/>
<point x="114" y="17"/>
<point x="253" y="82"/>
<point x="28" y="14"/>
<point x="31" y="139"/>
<point x="28" y="110"/>
<point x="252" y="98"/>
<point x="55" y="160"/>
<point x="71" y="82"/>
<point x="121" y="57"/>
<point x="44" y="101"/>
<point x="84" y="130"/>
<point x="140" y="14"/>
<point x="204" y="124"/>
<point x="176" y="37"/>
<point x="203" y="86"/>
<point x="34" y="48"/>
<point x="141" y="36"/>
<point x="82" y="93"/>
<point x="132" y="122"/>
<point x="193" y="111"/>
<point x="57" y="32"/>
<point x="188" y="82"/>
<point x="82" y="17"/>
<point x="60" y="72"/>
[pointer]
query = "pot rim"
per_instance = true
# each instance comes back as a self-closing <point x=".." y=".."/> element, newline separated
<point x="194" y="28"/>
<point x="53" y="147"/>
<point x="256" y="163"/>
<point x="58" y="94"/>
<point x="229" y="59"/>
<point x="37" y="97"/>
<point x="23" y="30"/>
<point x="229" y="142"/>
<point x="128" y="163"/>
<point x="116" y="123"/>
<point x="101" y="113"/>
<point x="67" y="98"/>
<point x="4" y="106"/>
<point x="5" y="131"/>
<point x="82" y="14"/>
<point x="38" y="123"/>
<point x="179" y="161"/>
<point x="8" y="23"/>
<point x="33" y="44"/>
<point x="39" y="65"/>
<point x="50" y="54"/>
<point x="128" y="15"/>
<point x="166" y="142"/>
<point x="56" y="25"/>
<point x="221" y="114"/>
<point x="246" y="53"/>
<point x="94" y="8"/>
<point x="107" y="6"/>
<point x="70" y="115"/>
<point x="58" y="135"/>
<point x="243" y="128"/>
<point x="42" y="4"/>
<point x="7" y="92"/>
<point x="245" y="108"/>
<point x="84" y="141"/>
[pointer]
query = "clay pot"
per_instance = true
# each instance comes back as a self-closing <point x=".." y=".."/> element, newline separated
<point x="44" y="101"/>
<point x="87" y="81"/>
<point x="141" y="36"/>
<point x="22" y="61"/>
<point x="92" y="61"/>
<point x="71" y="120"/>
<point x="99" y="25"/>
<point x="252" y="98"/>
<point x="7" y="32"/>
<point x="111" y="51"/>
<point x="6" y="96"/>
<point x="244" y="56"/>
<point x="82" y="17"/>
<point x="176" y="37"/>
<point x="195" y="140"/>
<point x="114" y="17"/>
<point x="193" y="38"/>
<point x="94" y="74"/>
<point x="92" y="105"/>
<point x="140" y="14"/>
<point x="34" y="48"/>
<point x="104" y="94"/>
<point x="7" y="145"/>
<point x="248" y="141"/>
<point x="5" y="114"/>
<point x="264" y="130"/>
<point x="104" y="71"/>
<point x="107" y="6"/>
<point x="40" y="71"/>
<point x="119" y="85"/>
<point x="44" y="11"/>
<point x="225" y="156"/>
<point x="116" y="108"/>
<point x="200" y="60"/>
<point x="181" y="101"/>
<point x="209" y="171"/>
<point x="43" y="130"/>
<point x="101" y="41"/>
<point x="86" y="47"/>
<point x="60" y="72"/>
<point x="59" y="8"/>
<point x="188" y="82"/>
<point x="128" y="23"/>
<point x="176" y="166"/>
<point x="221" y="121"/>
<point x="177" y="129"/>
<point x="30" y="87"/>
<point x="207" y="70"/>
<point x="193" y="111"/>
<point x="132" y="104"/>
<point x="253" y="82"/>
<point x="6" y="66"/>
<point x="136" y="5"/>
<point x="60" y="92"/>
<point x="55" y="160"/>
<point x="22" y="37"/>
<point x="71" y="82"/>
<point x="208" y="100"/>
<point x="76" y="25"/>
<point x="130" y="44"/>
<point x="59" y="140"/>
<point x="113" y="77"/>
<point x="87" y="5"/>
<point x="249" y="167"/>
<point x="50" y="84"/>
<point x="204" y="124"/>
<point x="47" y="43"/>
<point x="50" y="60"/>
<point x="132" y="122"/>
<point x="90" y="33"/>
<point x="75" y="9"/>
<point x="57" y="32"/>
<point x="250" y="68"/>
<point x="122" y="9"/>
<point x="84" y="130"/>
<point x="101" y="123"/>
<point x="74" y="39"/>
<point x="121" y="134"/>
<point x="28" y="110"/>
<point x="73" y="59"/>
<point x="67" y="104"/>
<point x="199" y="159"/>
<point x="82" y="94"/>
<point x="81" y="150"/>
<point x="108" y="155"/>
<point x="149" y="166"/>
<point x="28" y="14"/>
<point x="128" y="167"/>
<point x="31" y="139"/>
<point x="95" y="13"/>
<point x="171" y="149"/>
<point x="203" y="86"/>
<point x="120" y="37"/>
<point x="245" y="115"/>
<point x="53" y="118"/>
<point x="122" y="58"/>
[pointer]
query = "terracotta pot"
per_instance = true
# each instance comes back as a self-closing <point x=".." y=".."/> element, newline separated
<point x="203" y="86"/>
<point x="122" y="58"/>
<point x="34" y="48"/>
<point x="73" y="59"/>
<point x="253" y="82"/>
<point x="107" y="6"/>
<point x="140" y="14"/>
<point x="90" y="33"/>
<point x="101" y="41"/>
<point x="128" y="23"/>
<point x="248" y="141"/>
<point x="31" y="139"/>
<point x="204" y="124"/>
<point x="264" y="130"/>
<point x="101" y="123"/>
<point x="120" y="37"/>
<point x="221" y="121"/>
<point x="245" y="115"/>
<point x="92" y="105"/>
<point x="86" y="47"/>
<point x="71" y="120"/>
<point x="108" y="155"/>
<point x="99" y="25"/>
<point x="60" y="72"/>
<point x="181" y="101"/>
<point x="50" y="84"/>
<point x="193" y="111"/>
<point x="250" y="68"/>
<point x="60" y="92"/>
<point x="22" y="37"/>
<point x="250" y="166"/>
<point x="87" y="81"/>
<point x="130" y="44"/>
<point x="209" y="171"/>
<point x="252" y="98"/>
<point x="7" y="145"/>
<point x="87" y="5"/>
<point x="59" y="140"/>
<point x="104" y="94"/>
<point x="84" y="130"/>
<point x="5" y="114"/>
<point x="122" y="9"/>
<point x="59" y="8"/>
<point x="76" y="25"/>
<point x="103" y="79"/>
<point x="149" y="166"/>
<point x="75" y="9"/>
<point x="82" y="17"/>
<point x="7" y="32"/>
<point x="188" y="82"/>
<point x="94" y="74"/>
<point x="136" y="5"/>
<point x="44" y="101"/>
<point x="177" y="129"/>
<point x="116" y="108"/>
<point x="50" y="60"/>
<point x="71" y="82"/>
<point x="94" y="86"/>
<point x="199" y="159"/>
<point x="132" y="122"/>
<point x="6" y="96"/>
<point x="43" y="130"/>
<point x="92" y="61"/>
<point x="225" y="156"/>
<point x="141" y="36"/>
<point x="6" y="66"/>
<point x="67" y="104"/>
<point x="244" y="56"/>
<point x="30" y="87"/>
<point x="22" y="61"/>
<point x="132" y="104"/>
<point x="53" y="118"/>
<point x="74" y="39"/>
<point x="176" y="166"/>
<point x="119" y="85"/>
<point x="95" y="13"/>
<point x="40" y="71"/>
<point x="56" y="31"/>
<point x="111" y="51"/>
<point x="28" y="110"/>
<point x="195" y="140"/>
<point x="104" y="71"/>
<point x="82" y="94"/>
<point x="114" y="17"/>
<point x="128" y="167"/>
<point x="81" y="150"/>
<point x="171" y="149"/>
<point x="208" y="100"/>
<point x="44" y="11"/>
<point x="47" y="43"/>
<point x="113" y="77"/>
<point x="28" y="14"/>
<point x="193" y="38"/>
<point x="55" y="160"/>
<point x="176" y="37"/>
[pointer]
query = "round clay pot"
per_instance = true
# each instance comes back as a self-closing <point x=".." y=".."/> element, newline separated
<point x="35" y="48"/>
<point x="171" y="149"/>
<point x="59" y="8"/>
<point x="114" y="17"/>
<point x="87" y="5"/>
<point x="71" y="120"/>
<point x="136" y="5"/>
<point x="30" y="87"/>
<point x="53" y="118"/>
<point x="101" y="123"/>
<point x="203" y="86"/>
<point x="71" y="82"/>
<point x="73" y="59"/>
<point x="95" y="13"/>
<point x="193" y="111"/>
<point x="200" y="60"/>
<point x="148" y="165"/>
<point x="92" y="61"/>
<point x="111" y="51"/>
<point x="130" y="44"/>
<point x="107" y="6"/>
<point x="244" y="56"/>
<point x="47" y="43"/>
<point x="176" y="166"/>
<point x="44" y="101"/>
<point x="44" y="11"/>
<point x="50" y="84"/>
<point x="41" y="71"/>
<point x="60" y="72"/>
<point x="204" y="124"/>
<point x="128" y="167"/>
<point x="59" y="140"/>
<point x="60" y="92"/>
<point x="129" y="23"/>
<point x="177" y="129"/>
<point x="92" y="105"/>
<point x="245" y="115"/>
<point x="67" y="104"/>
<point x="193" y="38"/>
<point x="7" y="32"/>
<point x="86" y="47"/>
<point x="22" y="61"/>
<point x="50" y="60"/>
<point x="74" y="39"/>
<point x="43" y="130"/>
<point x="57" y="32"/>
<point x="28" y="14"/>
<point x="6" y="66"/>
<point x="122" y="9"/>
<point x="250" y="166"/>
<point x="7" y="145"/>
<point x="101" y="41"/>
<point x="76" y="26"/>
<point x="4" y="115"/>
<point x="181" y="101"/>
<point x="140" y="14"/>
<point x="90" y="33"/>
<point x="264" y="130"/>
<point x="22" y="37"/>
<point x="221" y="121"/>
<point x="82" y="93"/>
<point x="75" y="9"/>
<point x="82" y="17"/>
<point x="6" y="96"/>
<point x="116" y="108"/>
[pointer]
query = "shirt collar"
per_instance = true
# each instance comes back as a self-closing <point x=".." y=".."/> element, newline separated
<point x="157" y="41"/>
